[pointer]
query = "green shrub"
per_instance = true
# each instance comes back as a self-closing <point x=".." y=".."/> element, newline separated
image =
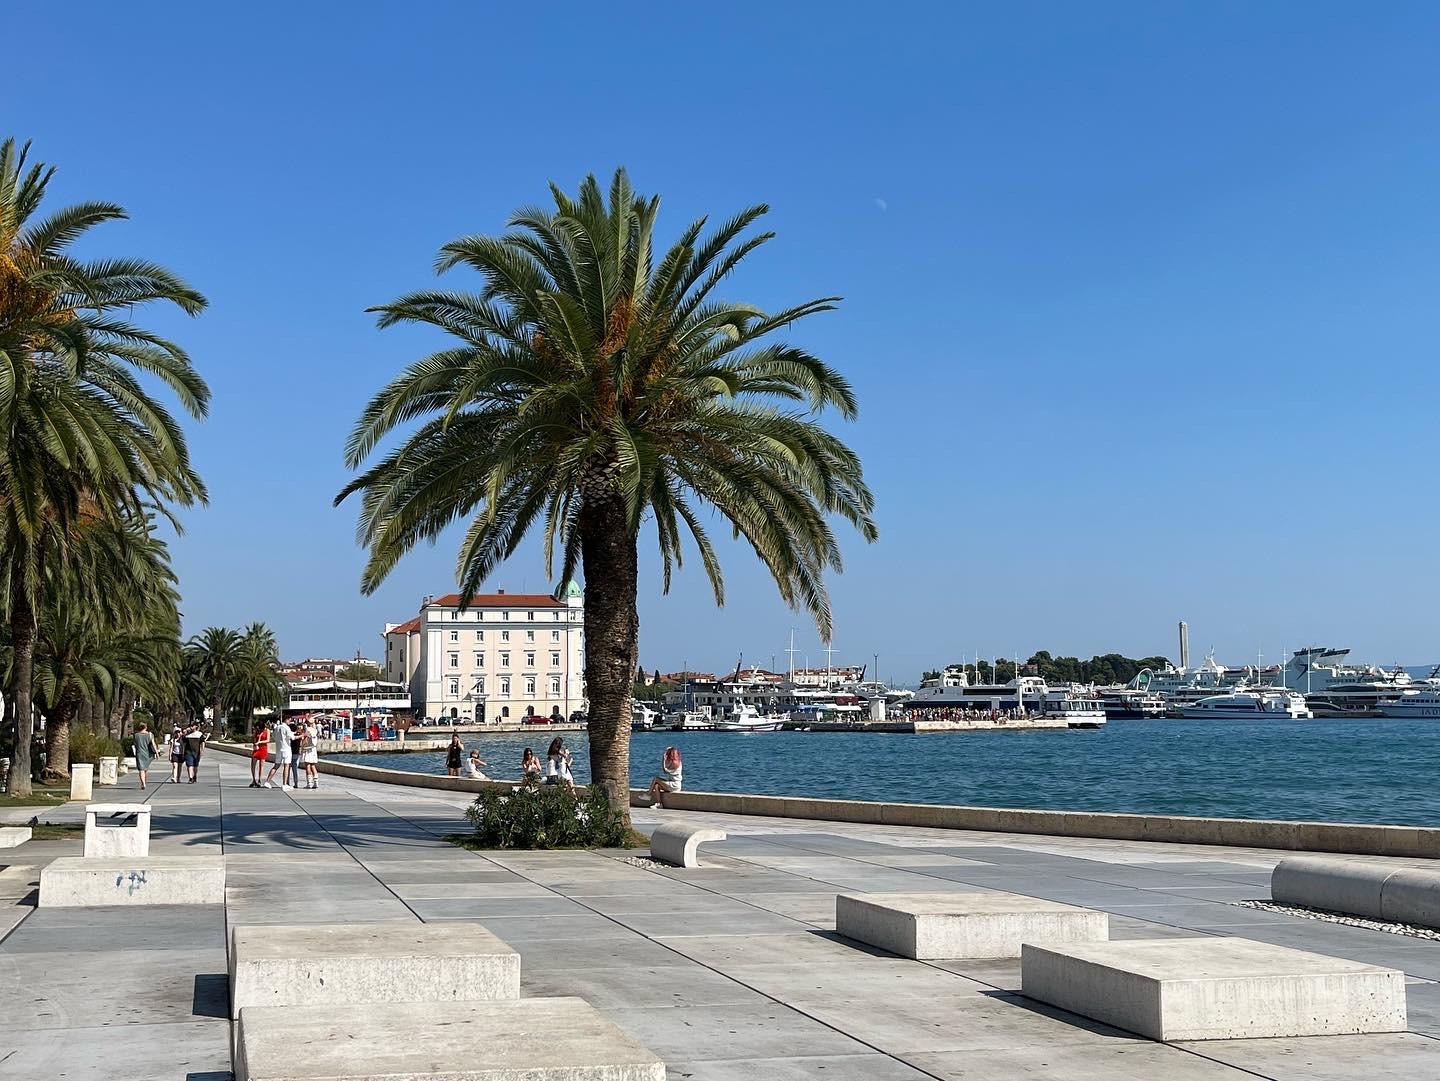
<point x="91" y="745"/>
<point x="544" y="816"/>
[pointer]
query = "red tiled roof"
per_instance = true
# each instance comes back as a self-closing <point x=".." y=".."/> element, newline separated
<point x="501" y="600"/>
<point x="408" y="627"/>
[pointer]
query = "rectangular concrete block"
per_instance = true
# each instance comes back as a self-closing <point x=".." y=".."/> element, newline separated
<point x="74" y="881"/>
<point x="1214" y="988"/>
<point x="940" y="926"/>
<point x="14" y="836"/>
<point x="82" y="780"/>
<point x="342" y="964"/>
<point x="532" y="1039"/>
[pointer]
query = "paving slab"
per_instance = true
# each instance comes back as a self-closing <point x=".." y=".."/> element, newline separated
<point x="119" y="987"/>
<point x="195" y="1051"/>
<point x="1399" y="1056"/>
<point x="652" y="986"/>
<point x="1071" y="1062"/>
<point x="761" y="1030"/>
<point x="871" y="1067"/>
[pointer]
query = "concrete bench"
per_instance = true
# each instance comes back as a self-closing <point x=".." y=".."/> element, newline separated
<point x="109" y="771"/>
<point x="14" y="836"/>
<point x="105" y="840"/>
<point x="679" y="844"/>
<point x="1378" y="890"/>
<point x="74" y="881"/>
<point x="1214" y="988"/>
<point x="82" y="780"/>
<point x="533" y="1039"/>
<point x="937" y="926"/>
<point x="343" y="964"/>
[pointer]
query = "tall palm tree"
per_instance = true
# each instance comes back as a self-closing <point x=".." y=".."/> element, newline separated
<point x="588" y="386"/>
<point x="254" y="681"/>
<point x="218" y="652"/>
<point x="80" y="434"/>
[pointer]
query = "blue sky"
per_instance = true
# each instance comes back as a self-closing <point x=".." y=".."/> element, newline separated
<point x="1140" y="297"/>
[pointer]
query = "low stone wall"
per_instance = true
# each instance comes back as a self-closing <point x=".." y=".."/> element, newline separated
<point x="1354" y="838"/>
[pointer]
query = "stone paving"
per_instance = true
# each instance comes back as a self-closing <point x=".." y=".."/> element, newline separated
<point x="729" y="972"/>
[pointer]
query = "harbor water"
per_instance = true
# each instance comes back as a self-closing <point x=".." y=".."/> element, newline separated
<point x="1385" y="771"/>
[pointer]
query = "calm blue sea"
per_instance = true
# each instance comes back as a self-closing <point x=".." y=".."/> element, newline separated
<point x="1324" y="770"/>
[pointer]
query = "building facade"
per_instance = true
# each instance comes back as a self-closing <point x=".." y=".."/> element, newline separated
<point x="507" y="655"/>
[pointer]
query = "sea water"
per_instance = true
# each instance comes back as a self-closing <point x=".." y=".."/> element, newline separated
<point x="1384" y="771"/>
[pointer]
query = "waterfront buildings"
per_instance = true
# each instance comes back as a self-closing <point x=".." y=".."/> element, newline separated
<point x="505" y="657"/>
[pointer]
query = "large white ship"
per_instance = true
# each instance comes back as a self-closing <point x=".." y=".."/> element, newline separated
<point x="1078" y="705"/>
<point x="1333" y="688"/>
<point x="1424" y="703"/>
<point x="1263" y="703"/>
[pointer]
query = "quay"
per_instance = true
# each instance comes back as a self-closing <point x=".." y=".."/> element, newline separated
<point x="729" y="971"/>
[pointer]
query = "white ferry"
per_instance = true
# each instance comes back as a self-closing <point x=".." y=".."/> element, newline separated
<point x="1412" y="704"/>
<point x="746" y="718"/>
<point x="1265" y="702"/>
<point x="1336" y="688"/>
<point x="953" y="690"/>
<point x="1079" y="706"/>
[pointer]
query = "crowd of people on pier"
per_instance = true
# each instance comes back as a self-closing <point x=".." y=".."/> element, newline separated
<point x="957" y="713"/>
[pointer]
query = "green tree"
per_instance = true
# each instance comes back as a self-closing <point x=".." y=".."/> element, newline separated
<point x="218" y="652"/>
<point x="80" y="435"/>
<point x="590" y="384"/>
<point x="358" y="671"/>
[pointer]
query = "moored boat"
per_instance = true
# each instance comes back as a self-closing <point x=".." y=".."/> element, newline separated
<point x="1262" y="703"/>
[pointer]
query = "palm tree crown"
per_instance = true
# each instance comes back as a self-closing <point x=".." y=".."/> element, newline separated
<point x="591" y="381"/>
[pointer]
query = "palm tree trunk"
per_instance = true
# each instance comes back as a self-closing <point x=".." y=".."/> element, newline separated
<point x="22" y="641"/>
<point x="612" y="633"/>
<point x="57" y="738"/>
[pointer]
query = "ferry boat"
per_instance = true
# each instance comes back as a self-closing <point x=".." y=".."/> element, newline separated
<point x="1412" y="704"/>
<point x="1267" y="703"/>
<point x="1131" y="701"/>
<point x="1180" y="687"/>
<point x="1334" y="688"/>
<point x="953" y="690"/>
<point x="1078" y="706"/>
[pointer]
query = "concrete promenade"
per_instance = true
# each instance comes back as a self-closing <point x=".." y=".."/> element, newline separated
<point x="728" y="972"/>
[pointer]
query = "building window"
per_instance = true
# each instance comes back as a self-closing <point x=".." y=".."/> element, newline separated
<point x="530" y="616"/>
<point x="554" y="636"/>
<point x="454" y="636"/>
<point x="454" y="613"/>
<point x="554" y="658"/>
<point x="480" y="685"/>
<point x="554" y="686"/>
<point x="505" y="616"/>
<point x="479" y="636"/>
<point x="529" y="659"/>
<point x="504" y="684"/>
<point x="504" y="711"/>
<point x="504" y="636"/>
<point x="529" y="636"/>
<point x="454" y="660"/>
<point x="530" y="686"/>
<point x="504" y="658"/>
<point x="454" y="688"/>
<point x="479" y="659"/>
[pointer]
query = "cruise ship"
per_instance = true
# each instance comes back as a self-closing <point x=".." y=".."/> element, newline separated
<point x="1335" y="689"/>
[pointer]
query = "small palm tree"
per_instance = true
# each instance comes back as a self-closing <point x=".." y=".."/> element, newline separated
<point x="80" y="434"/>
<point x="218" y="652"/>
<point x="590" y="386"/>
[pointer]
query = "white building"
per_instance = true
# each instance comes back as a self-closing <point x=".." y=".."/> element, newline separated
<point x="505" y="656"/>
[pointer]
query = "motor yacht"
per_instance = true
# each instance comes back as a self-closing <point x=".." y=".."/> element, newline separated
<point x="746" y="718"/>
<point x="1079" y="706"/>
<point x="1334" y="688"/>
<point x="1267" y="702"/>
<point x="1424" y="703"/>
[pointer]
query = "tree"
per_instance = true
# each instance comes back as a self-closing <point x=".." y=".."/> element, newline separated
<point x="80" y="435"/>
<point x="358" y="671"/>
<point x="590" y="386"/>
<point x="218" y="652"/>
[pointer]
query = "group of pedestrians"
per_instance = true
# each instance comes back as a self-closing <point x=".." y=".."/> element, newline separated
<point x="290" y="751"/>
<point x="185" y="745"/>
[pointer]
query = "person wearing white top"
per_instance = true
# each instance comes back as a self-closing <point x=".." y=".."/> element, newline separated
<point x="310" y="756"/>
<point x="473" y="767"/>
<point x="557" y="764"/>
<point x="280" y="744"/>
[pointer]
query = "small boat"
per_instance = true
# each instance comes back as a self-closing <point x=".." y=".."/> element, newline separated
<point x="1268" y="703"/>
<point x="747" y="718"/>
<point x="688" y="720"/>
<point x="642" y="717"/>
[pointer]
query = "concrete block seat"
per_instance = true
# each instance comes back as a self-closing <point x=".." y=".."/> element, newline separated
<point x="14" y="836"/>
<point x="941" y="926"/>
<point x="342" y="964"/>
<point x="680" y="844"/>
<point x="111" y="840"/>
<point x="1380" y="891"/>
<point x="532" y="1039"/>
<point x="76" y="881"/>
<point x="1214" y="988"/>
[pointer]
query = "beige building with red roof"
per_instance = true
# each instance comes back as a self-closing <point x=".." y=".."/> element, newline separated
<point x="505" y="656"/>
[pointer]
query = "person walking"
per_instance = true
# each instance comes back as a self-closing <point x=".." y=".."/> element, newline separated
<point x="259" y="754"/>
<point x="557" y="764"/>
<point x="280" y="741"/>
<point x="176" y="745"/>
<point x="670" y="777"/>
<point x="193" y="739"/>
<point x="295" y="735"/>
<point x="454" y="755"/>
<point x="145" y="751"/>
<point x="310" y="756"/>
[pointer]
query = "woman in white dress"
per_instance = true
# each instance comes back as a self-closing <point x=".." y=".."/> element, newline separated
<point x="310" y="756"/>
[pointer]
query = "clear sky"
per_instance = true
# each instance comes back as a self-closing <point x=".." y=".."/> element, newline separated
<point x="1141" y="298"/>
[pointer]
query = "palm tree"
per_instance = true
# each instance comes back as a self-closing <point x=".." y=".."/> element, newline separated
<point x="80" y="435"/>
<point x="218" y="652"/>
<point x="589" y="386"/>
<point x="254" y="682"/>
